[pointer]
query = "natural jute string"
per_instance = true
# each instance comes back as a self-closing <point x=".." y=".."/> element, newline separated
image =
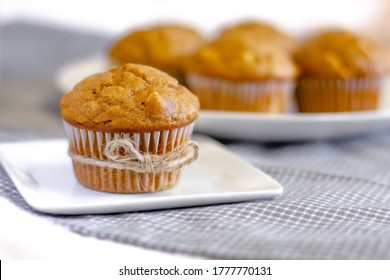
<point x="122" y="154"/>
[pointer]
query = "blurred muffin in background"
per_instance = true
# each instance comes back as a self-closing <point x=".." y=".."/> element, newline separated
<point x="340" y="71"/>
<point x="237" y="74"/>
<point x="260" y="32"/>
<point x="160" y="46"/>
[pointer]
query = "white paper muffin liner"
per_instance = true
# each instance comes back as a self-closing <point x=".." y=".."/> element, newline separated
<point x="91" y="144"/>
<point x="338" y="95"/>
<point x="271" y="96"/>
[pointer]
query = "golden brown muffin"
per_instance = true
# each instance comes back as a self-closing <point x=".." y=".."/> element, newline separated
<point x="262" y="33"/>
<point x="341" y="72"/>
<point x="238" y="59"/>
<point x="162" y="46"/>
<point x="129" y="98"/>
<point x="235" y="74"/>
<point x="342" y="54"/>
<point x="135" y="103"/>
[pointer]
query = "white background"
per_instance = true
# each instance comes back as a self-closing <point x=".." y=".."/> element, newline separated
<point x="298" y="16"/>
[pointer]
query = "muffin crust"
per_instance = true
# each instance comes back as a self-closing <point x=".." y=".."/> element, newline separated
<point x="260" y="32"/>
<point x="162" y="46"/>
<point x="239" y="59"/>
<point x="341" y="54"/>
<point x="130" y="98"/>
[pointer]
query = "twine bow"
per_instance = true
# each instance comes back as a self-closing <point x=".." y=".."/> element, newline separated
<point x="123" y="154"/>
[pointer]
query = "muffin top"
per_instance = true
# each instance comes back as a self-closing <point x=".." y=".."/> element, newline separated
<point x="238" y="59"/>
<point x="341" y="54"/>
<point x="159" y="46"/>
<point x="261" y="32"/>
<point x="130" y="98"/>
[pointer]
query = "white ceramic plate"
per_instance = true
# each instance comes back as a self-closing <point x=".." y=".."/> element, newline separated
<point x="42" y="172"/>
<point x="255" y="126"/>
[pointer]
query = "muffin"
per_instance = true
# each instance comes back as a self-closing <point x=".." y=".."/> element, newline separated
<point x="340" y="72"/>
<point x="161" y="46"/>
<point x="235" y="74"/>
<point x="129" y="129"/>
<point x="260" y="32"/>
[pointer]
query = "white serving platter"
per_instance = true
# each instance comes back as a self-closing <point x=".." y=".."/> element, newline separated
<point x="42" y="172"/>
<point x="256" y="126"/>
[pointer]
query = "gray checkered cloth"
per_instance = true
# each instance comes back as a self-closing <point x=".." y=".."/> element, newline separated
<point x="336" y="203"/>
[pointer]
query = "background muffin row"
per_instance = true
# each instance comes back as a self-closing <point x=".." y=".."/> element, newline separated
<point x="256" y="67"/>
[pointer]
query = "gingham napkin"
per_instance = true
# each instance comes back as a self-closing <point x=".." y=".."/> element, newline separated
<point x="336" y="203"/>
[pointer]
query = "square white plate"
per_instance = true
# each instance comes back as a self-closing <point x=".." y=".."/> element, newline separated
<point x="42" y="172"/>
